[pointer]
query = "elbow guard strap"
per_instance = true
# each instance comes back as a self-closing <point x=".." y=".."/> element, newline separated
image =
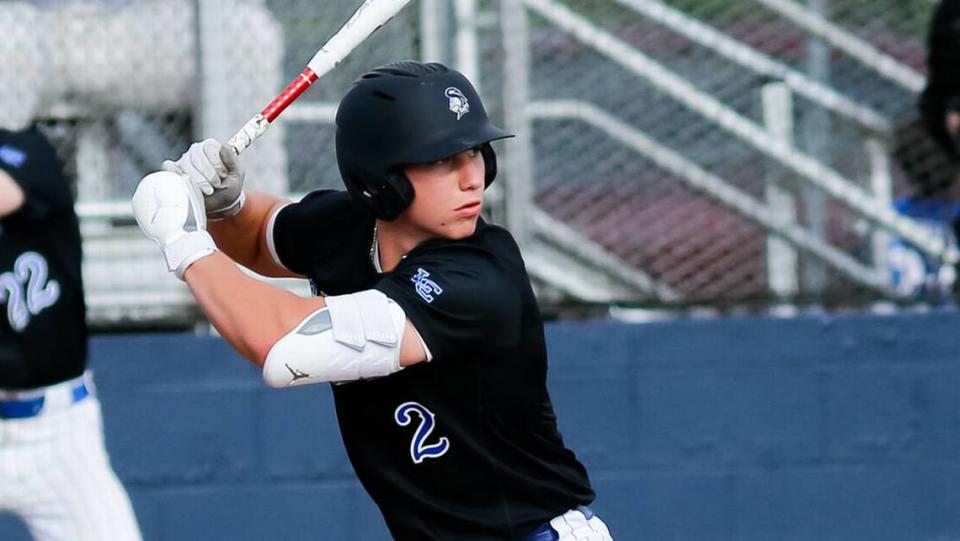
<point x="357" y="336"/>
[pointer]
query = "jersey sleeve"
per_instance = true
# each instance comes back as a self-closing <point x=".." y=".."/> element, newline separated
<point x="315" y="229"/>
<point x="459" y="298"/>
<point x="32" y="162"/>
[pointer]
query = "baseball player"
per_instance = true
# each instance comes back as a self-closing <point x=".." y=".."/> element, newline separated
<point x="424" y="317"/>
<point x="54" y="469"/>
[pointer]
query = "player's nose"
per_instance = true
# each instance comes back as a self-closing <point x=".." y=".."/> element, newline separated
<point x="470" y="171"/>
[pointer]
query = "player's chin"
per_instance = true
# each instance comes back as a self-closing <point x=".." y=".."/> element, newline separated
<point x="462" y="229"/>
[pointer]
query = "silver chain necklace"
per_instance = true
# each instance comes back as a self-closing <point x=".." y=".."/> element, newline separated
<point x="374" y="248"/>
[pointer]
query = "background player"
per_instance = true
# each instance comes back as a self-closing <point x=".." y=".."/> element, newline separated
<point x="54" y="469"/>
<point x="939" y="103"/>
<point x="425" y="317"/>
<point x="926" y="148"/>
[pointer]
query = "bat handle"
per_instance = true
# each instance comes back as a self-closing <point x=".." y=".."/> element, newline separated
<point x="256" y="126"/>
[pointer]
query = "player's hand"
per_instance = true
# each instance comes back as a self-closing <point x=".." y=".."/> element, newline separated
<point x="213" y="168"/>
<point x="169" y="209"/>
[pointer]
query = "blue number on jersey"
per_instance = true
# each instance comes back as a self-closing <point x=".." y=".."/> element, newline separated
<point x="27" y="289"/>
<point x="419" y="448"/>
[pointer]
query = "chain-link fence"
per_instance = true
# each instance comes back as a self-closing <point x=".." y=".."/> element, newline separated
<point x="668" y="152"/>
<point x="733" y="151"/>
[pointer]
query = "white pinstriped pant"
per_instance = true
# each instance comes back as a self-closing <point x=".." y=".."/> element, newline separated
<point x="575" y="526"/>
<point x="55" y="474"/>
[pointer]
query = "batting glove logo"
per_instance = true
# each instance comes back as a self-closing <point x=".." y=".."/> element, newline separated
<point x="426" y="287"/>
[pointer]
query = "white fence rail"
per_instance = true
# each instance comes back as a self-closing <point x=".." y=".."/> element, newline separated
<point x="631" y="116"/>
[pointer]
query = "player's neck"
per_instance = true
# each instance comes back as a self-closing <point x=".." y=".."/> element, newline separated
<point x="395" y="240"/>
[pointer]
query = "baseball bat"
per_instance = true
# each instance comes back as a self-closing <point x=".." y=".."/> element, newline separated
<point x="370" y="16"/>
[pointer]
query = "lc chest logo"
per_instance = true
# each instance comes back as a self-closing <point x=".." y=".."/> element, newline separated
<point x="27" y="290"/>
<point x="425" y="287"/>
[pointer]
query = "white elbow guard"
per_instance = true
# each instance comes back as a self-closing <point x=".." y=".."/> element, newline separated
<point x="357" y="336"/>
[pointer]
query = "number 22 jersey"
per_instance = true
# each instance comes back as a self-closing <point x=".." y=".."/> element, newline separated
<point x="43" y="333"/>
<point x="465" y="446"/>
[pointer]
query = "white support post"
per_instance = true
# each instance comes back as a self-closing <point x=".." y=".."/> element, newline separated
<point x="882" y="184"/>
<point x="212" y="109"/>
<point x="93" y="164"/>
<point x="433" y="27"/>
<point x="240" y="56"/>
<point x="817" y="135"/>
<point x="468" y="53"/>
<point x="516" y="98"/>
<point x="782" y="259"/>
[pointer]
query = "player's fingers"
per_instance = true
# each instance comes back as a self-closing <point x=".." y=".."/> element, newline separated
<point x="229" y="159"/>
<point x="201" y="163"/>
<point x="201" y="183"/>
<point x="173" y="167"/>
<point x="212" y="152"/>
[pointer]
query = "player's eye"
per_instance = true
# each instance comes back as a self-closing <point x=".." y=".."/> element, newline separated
<point x="473" y="152"/>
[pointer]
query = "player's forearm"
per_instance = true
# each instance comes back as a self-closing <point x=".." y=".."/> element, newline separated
<point x="248" y="313"/>
<point x="242" y="236"/>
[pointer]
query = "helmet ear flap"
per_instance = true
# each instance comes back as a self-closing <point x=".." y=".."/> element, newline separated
<point x="385" y="198"/>
<point x="489" y="163"/>
<point x="396" y="193"/>
<point x="394" y="197"/>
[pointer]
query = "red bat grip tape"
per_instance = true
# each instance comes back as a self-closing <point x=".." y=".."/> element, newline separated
<point x="292" y="92"/>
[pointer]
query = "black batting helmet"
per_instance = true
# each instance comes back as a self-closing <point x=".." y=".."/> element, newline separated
<point x="402" y="114"/>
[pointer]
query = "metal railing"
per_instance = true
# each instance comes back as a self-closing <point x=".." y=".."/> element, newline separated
<point x="509" y="47"/>
<point x="842" y="40"/>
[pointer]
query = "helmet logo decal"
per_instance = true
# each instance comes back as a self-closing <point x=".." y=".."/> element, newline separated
<point x="459" y="103"/>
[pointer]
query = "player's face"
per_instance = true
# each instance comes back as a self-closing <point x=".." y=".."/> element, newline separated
<point x="449" y="194"/>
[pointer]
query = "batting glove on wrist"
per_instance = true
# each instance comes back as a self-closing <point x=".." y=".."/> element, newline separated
<point x="213" y="168"/>
<point x="169" y="209"/>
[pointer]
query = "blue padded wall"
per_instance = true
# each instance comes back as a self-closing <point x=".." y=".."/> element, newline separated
<point x="812" y="428"/>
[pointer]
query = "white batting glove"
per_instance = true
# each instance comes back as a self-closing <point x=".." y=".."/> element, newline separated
<point x="213" y="168"/>
<point x="169" y="209"/>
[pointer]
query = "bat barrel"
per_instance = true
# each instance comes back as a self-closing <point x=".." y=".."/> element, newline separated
<point x="370" y="16"/>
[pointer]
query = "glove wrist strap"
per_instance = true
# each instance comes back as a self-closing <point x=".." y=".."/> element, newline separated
<point x="226" y="212"/>
<point x="187" y="249"/>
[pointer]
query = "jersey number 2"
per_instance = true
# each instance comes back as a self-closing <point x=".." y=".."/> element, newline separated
<point x="419" y="448"/>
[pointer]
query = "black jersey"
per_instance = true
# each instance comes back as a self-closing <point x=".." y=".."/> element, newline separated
<point x="942" y="91"/>
<point x="43" y="334"/>
<point x="466" y="446"/>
